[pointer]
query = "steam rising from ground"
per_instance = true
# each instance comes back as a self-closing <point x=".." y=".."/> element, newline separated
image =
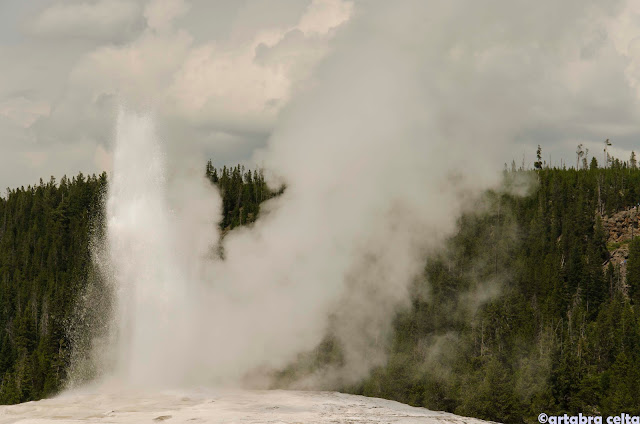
<point x="392" y="142"/>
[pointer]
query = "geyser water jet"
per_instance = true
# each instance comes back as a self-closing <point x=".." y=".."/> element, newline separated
<point x="147" y="259"/>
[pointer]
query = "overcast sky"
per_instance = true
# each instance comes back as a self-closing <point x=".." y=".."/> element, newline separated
<point x="217" y="73"/>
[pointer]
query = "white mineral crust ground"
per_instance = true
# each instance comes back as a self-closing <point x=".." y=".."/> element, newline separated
<point x="208" y="406"/>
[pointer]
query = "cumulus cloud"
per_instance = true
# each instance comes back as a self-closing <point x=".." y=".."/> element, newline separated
<point x="161" y="13"/>
<point x="107" y="20"/>
<point x="23" y="111"/>
<point x="225" y="70"/>
<point x="625" y="34"/>
<point x="223" y="92"/>
<point x="234" y="85"/>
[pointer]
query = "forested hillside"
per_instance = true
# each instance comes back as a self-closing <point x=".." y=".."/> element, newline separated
<point x="522" y="311"/>
<point x="45" y="263"/>
<point x="44" y="260"/>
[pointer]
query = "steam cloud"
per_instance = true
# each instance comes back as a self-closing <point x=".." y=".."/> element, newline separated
<point x="392" y="141"/>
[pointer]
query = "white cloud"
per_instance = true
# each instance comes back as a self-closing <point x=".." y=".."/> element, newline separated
<point x="234" y="86"/>
<point x="160" y="13"/>
<point x="230" y="67"/>
<point x="625" y="33"/>
<point x="102" y="19"/>
<point x="324" y="15"/>
<point x="23" y="111"/>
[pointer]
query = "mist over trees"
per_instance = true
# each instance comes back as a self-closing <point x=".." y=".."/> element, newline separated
<point x="242" y="191"/>
<point x="559" y="333"/>
<point x="521" y="312"/>
<point x="45" y="264"/>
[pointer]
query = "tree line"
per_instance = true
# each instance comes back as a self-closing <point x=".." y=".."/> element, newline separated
<point x="524" y="312"/>
<point x="559" y="329"/>
<point x="45" y="263"/>
<point x="44" y="259"/>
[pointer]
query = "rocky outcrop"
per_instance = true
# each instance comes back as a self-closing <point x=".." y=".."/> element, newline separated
<point x="621" y="228"/>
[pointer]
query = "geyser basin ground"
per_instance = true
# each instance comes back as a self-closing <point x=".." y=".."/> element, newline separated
<point x="206" y="406"/>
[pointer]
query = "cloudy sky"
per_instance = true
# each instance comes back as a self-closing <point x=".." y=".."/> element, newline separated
<point x="217" y="74"/>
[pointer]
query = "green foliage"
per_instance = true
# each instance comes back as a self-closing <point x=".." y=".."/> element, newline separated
<point x="520" y="313"/>
<point x="538" y="163"/>
<point x="44" y="258"/>
<point x="45" y="265"/>
<point x="242" y="193"/>
<point x="562" y="334"/>
<point x="633" y="270"/>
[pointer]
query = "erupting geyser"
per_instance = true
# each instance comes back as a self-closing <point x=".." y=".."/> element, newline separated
<point x="383" y="149"/>
<point x="147" y="250"/>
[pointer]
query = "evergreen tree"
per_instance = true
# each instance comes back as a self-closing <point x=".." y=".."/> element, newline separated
<point x="633" y="270"/>
<point x="538" y="163"/>
<point x="45" y="263"/>
<point x="523" y="309"/>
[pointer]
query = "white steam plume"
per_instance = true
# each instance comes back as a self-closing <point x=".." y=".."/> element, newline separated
<point x="397" y="134"/>
<point x="156" y="243"/>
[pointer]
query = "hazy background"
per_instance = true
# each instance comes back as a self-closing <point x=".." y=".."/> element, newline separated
<point x="217" y="74"/>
